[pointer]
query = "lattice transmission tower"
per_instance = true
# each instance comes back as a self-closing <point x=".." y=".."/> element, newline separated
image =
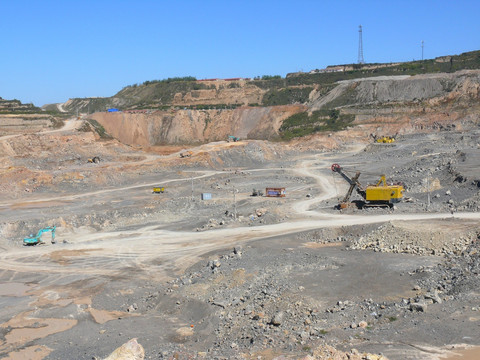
<point x="360" y="46"/>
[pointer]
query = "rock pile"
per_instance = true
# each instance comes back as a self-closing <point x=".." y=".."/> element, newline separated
<point x="396" y="239"/>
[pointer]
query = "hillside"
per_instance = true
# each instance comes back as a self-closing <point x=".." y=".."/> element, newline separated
<point x="18" y="117"/>
<point x="186" y="110"/>
<point x="261" y="91"/>
<point x="237" y="274"/>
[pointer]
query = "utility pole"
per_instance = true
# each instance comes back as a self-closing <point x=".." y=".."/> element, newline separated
<point x="360" y="46"/>
<point x="422" y="50"/>
<point x="192" y="187"/>
<point x="234" y="203"/>
<point x="428" y="192"/>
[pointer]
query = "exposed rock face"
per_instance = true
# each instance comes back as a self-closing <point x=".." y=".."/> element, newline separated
<point x="195" y="126"/>
<point x="242" y="94"/>
<point x="25" y="123"/>
<point x="384" y="104"/>
<point x="385" y="89"/>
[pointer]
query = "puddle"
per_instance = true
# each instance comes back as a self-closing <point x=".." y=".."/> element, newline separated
<point x="26" y="329"/>
<point x="14" y="289"/>
<point x="467" y="354"/>
<point x="102" y="316"/>
<point x="29" y="353"/>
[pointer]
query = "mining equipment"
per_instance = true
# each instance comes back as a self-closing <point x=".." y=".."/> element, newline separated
<point x="94" y="160"/>
<point x="383" y="139"/>
<point x="186" y="154"/>
<point x="233" y="138"/>
<point x="35" y="240"/>
<point x="158" y="190"/>
<point x="377" y="195"/>
<point x="275" y="192"/>
<point x="256" y="192"/>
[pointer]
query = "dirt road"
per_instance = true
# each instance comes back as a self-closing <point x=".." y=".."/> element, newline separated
<point x="139" y="247"/>
<point x="66" y="278"/>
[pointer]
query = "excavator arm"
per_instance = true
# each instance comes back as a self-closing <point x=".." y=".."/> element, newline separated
<point x="382" y="180"/>
<point x="354" y="183"/>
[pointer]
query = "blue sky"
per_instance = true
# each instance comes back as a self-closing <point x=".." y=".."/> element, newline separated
<point x="55" y="50"/>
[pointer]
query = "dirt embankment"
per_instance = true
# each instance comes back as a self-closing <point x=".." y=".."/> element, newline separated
<point x="381" y="105"/>
<point x="25" y="123"/>
<point x="403" y="104"/>
<point x="237" y="92"/>
<point x="195" y="126"/>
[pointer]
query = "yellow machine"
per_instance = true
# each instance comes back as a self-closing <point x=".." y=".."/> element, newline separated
<point x="383" y="192"/>
<point x="158" y="190"/>
<point x="378" y="195"/>
<point x="386" y="140"/>
<point x="383" y="139"/>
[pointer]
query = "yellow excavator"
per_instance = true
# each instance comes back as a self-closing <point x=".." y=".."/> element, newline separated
<point x="377" y="195"/>
<point x="383" y="139"/>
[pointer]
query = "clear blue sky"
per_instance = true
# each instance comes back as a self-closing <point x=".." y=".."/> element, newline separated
<point x="55" y="50"/>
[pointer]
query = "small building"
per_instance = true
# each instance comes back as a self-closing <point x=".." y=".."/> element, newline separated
<point x="275" y="192"/>
<point x="206" y="196"/>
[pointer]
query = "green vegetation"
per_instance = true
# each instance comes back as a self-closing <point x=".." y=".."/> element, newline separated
<point x="268" y="77"/>
<point x="170" y="80"/>
<point x="16" y="107"/>
<point x="268" y="84"/>
<point x="292" y="89"/>
<point x="93" y="125"/>
<point x="323" y="332"/>
<point x="392" y="318"/>
<point x="469" y="60"/>
<point x="159" y="92"/>
<point x="302" y="124"/>
<point x="286" y="96"/>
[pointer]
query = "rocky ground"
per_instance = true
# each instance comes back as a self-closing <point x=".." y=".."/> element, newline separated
<point x="238" y="276"/>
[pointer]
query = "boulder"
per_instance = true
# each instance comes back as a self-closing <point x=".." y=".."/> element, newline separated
<point x="260" y="212"/>
<point x="131" y="350"/>
<point x="278" y="318"/>
<point x="418" y="307"/>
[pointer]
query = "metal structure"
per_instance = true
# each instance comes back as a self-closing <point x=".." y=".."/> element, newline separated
<point x="275" y="192"/>
<point x="377" y="195"/>
<point x="360" y="46"/>
<point x="422" y="49"/>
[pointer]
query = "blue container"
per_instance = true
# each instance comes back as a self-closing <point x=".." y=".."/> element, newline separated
<point x="206" y="196"/>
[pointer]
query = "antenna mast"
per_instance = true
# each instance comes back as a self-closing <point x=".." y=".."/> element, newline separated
<point x="360" y="46"/>
<point x="422" y="49"/>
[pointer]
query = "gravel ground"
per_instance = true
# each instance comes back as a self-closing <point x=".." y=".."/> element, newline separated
<point x="396" y="288"/>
